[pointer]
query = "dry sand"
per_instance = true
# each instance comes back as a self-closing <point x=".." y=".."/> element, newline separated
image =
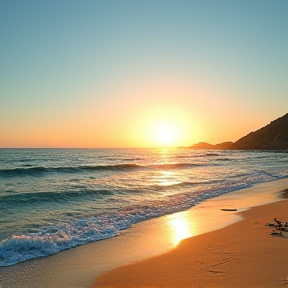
<point x="240" y="255"/>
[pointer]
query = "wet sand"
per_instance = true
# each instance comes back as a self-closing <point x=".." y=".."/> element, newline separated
<point x="243" y="254"/>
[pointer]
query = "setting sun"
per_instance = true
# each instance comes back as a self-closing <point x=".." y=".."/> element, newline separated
<point x="163" y="127"/>
<point x="165" y="134"/>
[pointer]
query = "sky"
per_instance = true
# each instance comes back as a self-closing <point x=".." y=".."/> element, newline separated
<point x="146" y="73"/>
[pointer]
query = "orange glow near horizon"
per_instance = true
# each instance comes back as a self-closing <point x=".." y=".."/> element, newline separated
<point x="163" y="127"/>
<point x="165" y="134"/>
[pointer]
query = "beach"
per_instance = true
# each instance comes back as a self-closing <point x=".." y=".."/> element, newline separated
<point x="80" y="266"/>
<point x="240" y="255"/>
<point x="143" y="144"/>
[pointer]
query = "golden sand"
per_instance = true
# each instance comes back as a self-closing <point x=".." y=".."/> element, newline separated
<point x="243" y="254"/>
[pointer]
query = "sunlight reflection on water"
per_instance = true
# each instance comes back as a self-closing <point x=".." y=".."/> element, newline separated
<point x="167" y="178"/>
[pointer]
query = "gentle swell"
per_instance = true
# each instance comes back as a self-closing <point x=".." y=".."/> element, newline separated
<point x="185" y="184"/>
<point x="41" y="171"/>
<point x="45" y="197"/>
<point x="167" y="166"/>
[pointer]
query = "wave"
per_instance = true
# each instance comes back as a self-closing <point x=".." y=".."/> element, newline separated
<point x="68" y="234"/>
<point x="168" y="166"/>
<point x="44" y="197"/>
<point x="185" y="184"/>
<point x="22" y="171"/>
<point x="41" y="171"/>
<point x="191" y="156"/>
<point x="222" y="159"/>
<point x="36" y="198"/>
<point x="212" y="154"/>
<point x="133" y="159"/>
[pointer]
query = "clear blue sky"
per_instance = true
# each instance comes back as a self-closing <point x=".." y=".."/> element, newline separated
<point x="78" y="73"/>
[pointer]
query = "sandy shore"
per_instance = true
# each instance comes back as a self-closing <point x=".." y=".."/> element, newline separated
<point x="240" y="255"/>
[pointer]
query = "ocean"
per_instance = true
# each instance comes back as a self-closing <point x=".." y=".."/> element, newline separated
<point x="56" y="199"/>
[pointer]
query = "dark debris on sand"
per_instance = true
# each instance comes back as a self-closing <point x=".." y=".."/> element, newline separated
<point x="284" y="193"/>
<point x="282" y="228"/>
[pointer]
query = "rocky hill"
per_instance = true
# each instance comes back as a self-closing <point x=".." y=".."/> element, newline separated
<point x="273" y="136"/>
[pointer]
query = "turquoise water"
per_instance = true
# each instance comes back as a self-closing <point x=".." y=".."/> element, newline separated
<point x="56" y="199"/>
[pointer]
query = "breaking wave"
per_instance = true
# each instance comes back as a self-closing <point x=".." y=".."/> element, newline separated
<point x="69" y="234"/>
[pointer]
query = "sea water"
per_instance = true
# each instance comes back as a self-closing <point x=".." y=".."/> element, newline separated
<point x="56" y="199"/>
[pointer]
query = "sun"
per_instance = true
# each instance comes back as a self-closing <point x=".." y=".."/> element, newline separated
<point x="165" y="134"/>
<point x="162" y="128"/>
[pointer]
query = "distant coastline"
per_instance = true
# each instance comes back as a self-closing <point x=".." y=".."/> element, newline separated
<point x="273" y="136"/>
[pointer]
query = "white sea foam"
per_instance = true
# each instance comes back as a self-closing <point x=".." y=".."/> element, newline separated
<point x="65" y="235"/>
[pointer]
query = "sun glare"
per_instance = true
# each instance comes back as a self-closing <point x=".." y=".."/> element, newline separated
<point x="163" y="128"/>
<point x="165" y="134"/>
